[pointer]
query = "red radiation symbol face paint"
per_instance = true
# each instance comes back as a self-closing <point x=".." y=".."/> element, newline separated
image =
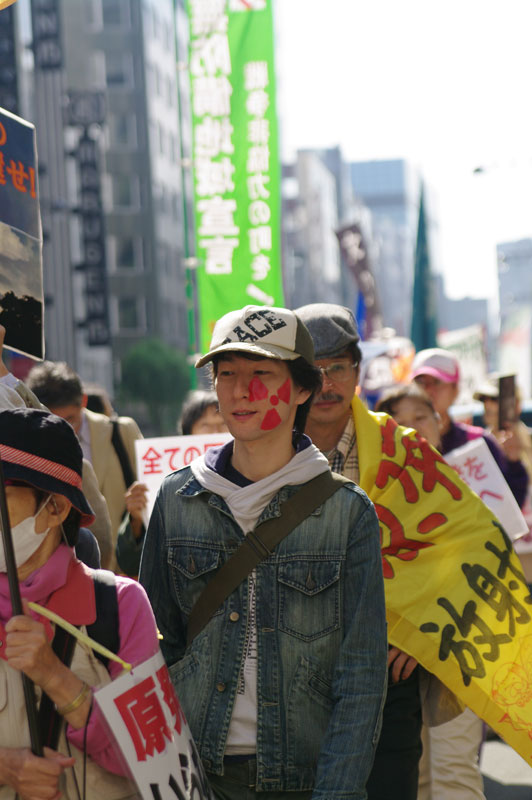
<point x="271" y="418"/>
<point x="257" y="390"/>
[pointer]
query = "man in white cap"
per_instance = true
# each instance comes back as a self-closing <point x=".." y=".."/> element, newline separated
<point x="488" y="394"/>
<point x="437" y="371"/>
<point x="282" y="681"/>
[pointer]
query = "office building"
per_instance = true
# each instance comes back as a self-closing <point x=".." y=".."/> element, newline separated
<point x="318" y="201"/>
<point x="102" y="91"/>
<point x="391" y="190"/>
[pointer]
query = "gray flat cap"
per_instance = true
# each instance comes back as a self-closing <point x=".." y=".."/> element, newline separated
<point x="333" y="328"/>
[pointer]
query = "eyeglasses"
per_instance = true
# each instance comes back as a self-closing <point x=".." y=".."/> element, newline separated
<point x="339" y="372"/>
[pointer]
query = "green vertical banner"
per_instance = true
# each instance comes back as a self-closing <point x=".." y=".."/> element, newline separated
<point x="237" y="195"/>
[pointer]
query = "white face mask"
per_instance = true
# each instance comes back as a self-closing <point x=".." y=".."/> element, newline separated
<point x="25" y="539"/>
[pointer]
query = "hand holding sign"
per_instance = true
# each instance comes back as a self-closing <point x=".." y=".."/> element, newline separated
<point x="136" y="506"/>
<point x="509" y="442"/>
<point x="28" y="648"/>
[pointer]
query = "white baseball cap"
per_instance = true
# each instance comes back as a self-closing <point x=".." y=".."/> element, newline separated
<point x="263" y="330"/>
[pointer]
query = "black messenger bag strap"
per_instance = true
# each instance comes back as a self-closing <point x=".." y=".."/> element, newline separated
<point x="49" y="720"/>
<point x="120" y="450"/>
<point x="258" y="545"/>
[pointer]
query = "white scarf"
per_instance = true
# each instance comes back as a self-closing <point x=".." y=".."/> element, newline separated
<point x="248" y="502"/>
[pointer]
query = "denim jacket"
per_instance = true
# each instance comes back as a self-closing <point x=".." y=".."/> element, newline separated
<point x="321" y="634"/>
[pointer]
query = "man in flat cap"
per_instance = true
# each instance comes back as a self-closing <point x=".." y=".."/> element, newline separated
<point x="446" y="562"/>
<point x="331" y="426"/>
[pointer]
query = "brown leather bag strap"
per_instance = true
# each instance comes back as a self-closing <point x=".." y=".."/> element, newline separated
<point x="258" y="545"/>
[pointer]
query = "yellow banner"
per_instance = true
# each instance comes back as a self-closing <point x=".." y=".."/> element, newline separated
<point x="464" y="610"/>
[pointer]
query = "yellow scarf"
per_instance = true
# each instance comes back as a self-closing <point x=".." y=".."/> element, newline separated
<point x="456" y="596"/>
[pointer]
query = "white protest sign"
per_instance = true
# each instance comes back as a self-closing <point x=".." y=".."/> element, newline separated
<point x="21" y="239"/>
<point x="159" y="456"/>
<point x="148" y="723"/>
<point x="468" y="345"/>
<point x="477" y="467"/>
<point x="524" y="544"/>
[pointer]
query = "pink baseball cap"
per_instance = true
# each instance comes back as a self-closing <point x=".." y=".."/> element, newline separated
<point x="437" y="363"/>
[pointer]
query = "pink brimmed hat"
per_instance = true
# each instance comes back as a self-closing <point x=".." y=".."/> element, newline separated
<point x="437" y="363"/>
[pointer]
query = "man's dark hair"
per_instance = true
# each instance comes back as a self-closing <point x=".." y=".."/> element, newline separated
<point x="196" y="404"/>
<point x="309" y="377"/>
<point x="97" y="399"/>
<point x="95" y="403"/>
<point x="303" y="374"/>
<point x="391" y="398"/>
<point x="55" y="384"/>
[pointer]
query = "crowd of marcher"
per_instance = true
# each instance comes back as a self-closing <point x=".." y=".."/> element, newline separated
<point x="261" y="568"/>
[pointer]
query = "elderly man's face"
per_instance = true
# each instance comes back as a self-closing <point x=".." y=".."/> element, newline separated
<point x="333" y="403"/>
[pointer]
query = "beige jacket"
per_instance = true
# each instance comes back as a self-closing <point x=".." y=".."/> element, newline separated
<point x="107" y="465"/>
<point x="14" y="732"/>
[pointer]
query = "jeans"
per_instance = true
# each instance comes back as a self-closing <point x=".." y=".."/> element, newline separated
<point x="238" y="783"/>
<point x="395" y="770"/>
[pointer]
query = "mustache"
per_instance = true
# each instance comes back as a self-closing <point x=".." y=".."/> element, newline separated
<point x="328" y="397"/>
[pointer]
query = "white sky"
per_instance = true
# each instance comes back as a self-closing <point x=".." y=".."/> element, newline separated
<point x="445" y="84"/>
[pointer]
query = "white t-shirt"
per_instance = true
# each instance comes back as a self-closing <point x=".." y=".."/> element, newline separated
<point x="247" y="504"/>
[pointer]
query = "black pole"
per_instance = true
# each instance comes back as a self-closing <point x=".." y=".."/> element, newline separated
<point x="16" y="603"/>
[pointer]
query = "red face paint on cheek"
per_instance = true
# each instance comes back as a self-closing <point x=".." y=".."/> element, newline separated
<point x="271" y="420"/>
<point x="257" y="390"/>
<point x="284" y="391"/>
